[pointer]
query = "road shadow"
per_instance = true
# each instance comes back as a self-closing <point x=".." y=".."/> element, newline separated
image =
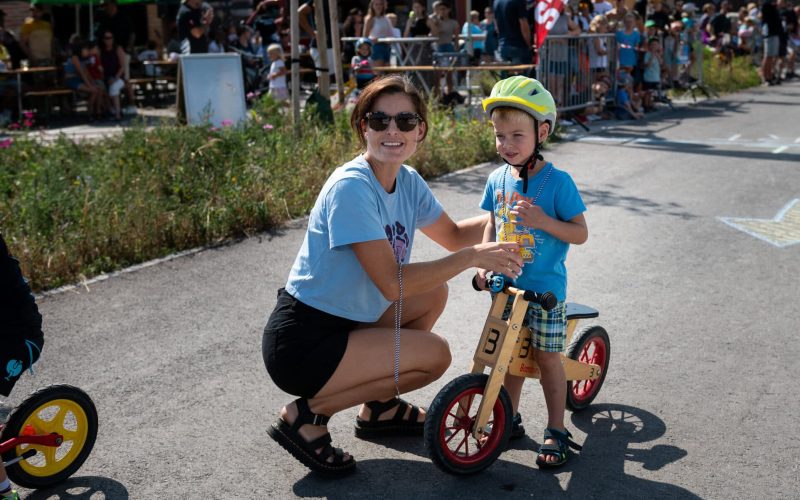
<point x="82" y="488"/>
<point x="597" y="471"/>
<point x="610" y="429"/>
<point x="611" y="195"/>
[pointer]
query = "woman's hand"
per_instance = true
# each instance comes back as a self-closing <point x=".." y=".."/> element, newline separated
<point x="499" y="257"/>
<point x="480" y="278"/>
<point x="530" y="215"/>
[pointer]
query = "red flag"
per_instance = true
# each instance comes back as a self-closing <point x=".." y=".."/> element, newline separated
<point x="547" y="13"/>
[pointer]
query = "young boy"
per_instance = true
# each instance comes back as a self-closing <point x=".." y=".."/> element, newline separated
<point x="652" y="71"/>
<point x="21" y="338"/>
<point x="539" y="206"/>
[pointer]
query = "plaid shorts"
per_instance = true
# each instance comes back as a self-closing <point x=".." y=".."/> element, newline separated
<point x="548" y="328"/>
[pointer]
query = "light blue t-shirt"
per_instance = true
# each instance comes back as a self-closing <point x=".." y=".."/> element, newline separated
<point x="652" y="68"/>
<point x="628" y="44"/>
<point x="351" y="208"/>
<point x="544" y="255"/>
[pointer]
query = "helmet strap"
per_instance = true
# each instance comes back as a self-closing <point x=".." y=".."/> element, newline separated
<point x="530" y="163"/>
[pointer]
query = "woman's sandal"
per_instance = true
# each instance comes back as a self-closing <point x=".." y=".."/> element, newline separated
<point x="397" y="425"/>
<point x="306" y="451"/>
<point x="559" y="449"/>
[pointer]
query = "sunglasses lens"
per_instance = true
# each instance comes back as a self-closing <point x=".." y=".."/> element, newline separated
<point x="406" y="121"/>
<point x="378" y="121"/>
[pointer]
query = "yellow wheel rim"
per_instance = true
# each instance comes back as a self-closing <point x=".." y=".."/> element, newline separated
<point x="64" y="417"/>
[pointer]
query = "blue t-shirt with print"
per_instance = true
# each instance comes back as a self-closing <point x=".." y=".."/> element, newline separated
<point x="351" y="208"/>
<point x="628" y="44"/>
<point x="544" y="255"/>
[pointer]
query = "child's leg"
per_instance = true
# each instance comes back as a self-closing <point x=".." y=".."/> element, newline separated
<point x="513" y="385"/>
<point x="554" y="386"/>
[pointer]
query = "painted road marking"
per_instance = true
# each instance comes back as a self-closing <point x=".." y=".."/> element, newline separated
<point x="797" y="141"/>
<point x="734" y="137"/>
<point x="780" y="149"/>
<point x="782" y="231"/>
<point x="760" y="144"/>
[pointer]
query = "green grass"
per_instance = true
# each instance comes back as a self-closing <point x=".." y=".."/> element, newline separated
<point x="72" y="210"/>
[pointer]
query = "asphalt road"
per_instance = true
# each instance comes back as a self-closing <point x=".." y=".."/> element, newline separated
<point x="700" y="398"/>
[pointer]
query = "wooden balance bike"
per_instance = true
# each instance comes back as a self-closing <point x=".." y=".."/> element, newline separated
<point x="469" y="421"/>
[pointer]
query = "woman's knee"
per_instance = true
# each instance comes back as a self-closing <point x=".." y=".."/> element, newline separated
<point x="440" y="357"/>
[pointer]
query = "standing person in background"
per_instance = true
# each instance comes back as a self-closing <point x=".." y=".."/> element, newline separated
<point x="194" y="18"/>
<point x="397" y="51"/>
<point x="488" y="27"/>
<point x="111" y="19"/>
<point x="36" y="38"/>
<point x="719" y="26"/>
<point x="353" y="27"/>
<point x="376" y="26"/>
<point x="771" y="29"/>
<point x="307" y="19"/>
<point x="445" y="30"/>
<point x="10" y="42"/>
<point x="514" y="39"/>
<point x="277" y="73"/>
<point x="628" y="40"/>
<point x="418" y="25"/>
<point x="473" y="25"/>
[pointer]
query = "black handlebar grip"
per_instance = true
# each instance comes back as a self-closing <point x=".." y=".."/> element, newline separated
<point x="547" y="300"/>
<point x="475" y="284"/>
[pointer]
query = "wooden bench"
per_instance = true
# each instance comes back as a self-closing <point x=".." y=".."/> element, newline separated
<point x="46" y="95"/>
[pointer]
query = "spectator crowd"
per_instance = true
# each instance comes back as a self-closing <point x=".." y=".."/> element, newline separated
<point x="633" y="50"/>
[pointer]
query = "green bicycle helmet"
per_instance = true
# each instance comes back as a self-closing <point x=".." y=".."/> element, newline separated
<point x="530" y="96"/>
<point x="525" y="94"/>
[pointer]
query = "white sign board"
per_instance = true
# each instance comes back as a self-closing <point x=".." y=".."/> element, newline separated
<point x="213" y="89"/>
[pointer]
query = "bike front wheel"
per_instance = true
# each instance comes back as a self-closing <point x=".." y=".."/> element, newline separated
<point x="61" y="409"/>
<point x="451" y="420"/>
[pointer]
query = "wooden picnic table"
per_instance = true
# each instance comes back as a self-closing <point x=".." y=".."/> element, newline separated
<point x="25" y="71"/>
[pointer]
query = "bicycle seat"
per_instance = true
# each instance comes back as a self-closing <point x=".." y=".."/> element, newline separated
<point x="580" y="311"/>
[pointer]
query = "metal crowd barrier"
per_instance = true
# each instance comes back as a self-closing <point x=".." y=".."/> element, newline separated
<point x="570" y="65"/>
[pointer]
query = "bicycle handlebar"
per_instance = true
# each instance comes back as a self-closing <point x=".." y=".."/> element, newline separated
<point x="496" y="283"/>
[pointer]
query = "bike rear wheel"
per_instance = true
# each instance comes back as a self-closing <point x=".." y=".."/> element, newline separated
<point x="591" y="345"/>
<point x="63" y="409"/>
<point x="450" y="421"/>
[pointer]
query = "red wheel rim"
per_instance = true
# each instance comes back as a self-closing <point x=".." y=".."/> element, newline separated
<point x="455" y="433"/>
<point x="595" y="353"/>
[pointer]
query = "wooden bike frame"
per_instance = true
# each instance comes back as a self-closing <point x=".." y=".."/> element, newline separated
<point x="505" y="347"/>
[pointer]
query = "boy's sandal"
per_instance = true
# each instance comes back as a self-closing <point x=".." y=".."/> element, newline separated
<point x="559" y="449"/>
<point x="306" y="451"/>
<point x="397" y="425"/>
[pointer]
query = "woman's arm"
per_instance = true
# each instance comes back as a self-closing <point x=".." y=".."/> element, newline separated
<point x="367" y="26"/>
<point x="454" y="236"/>
<point x="121" y="57"/>
<point x="489" y="235"/>
<point x="377" y="259"/>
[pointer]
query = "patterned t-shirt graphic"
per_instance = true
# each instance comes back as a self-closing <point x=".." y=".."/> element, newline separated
<point x="399" y="239"/>
<point x="509" y="230"/>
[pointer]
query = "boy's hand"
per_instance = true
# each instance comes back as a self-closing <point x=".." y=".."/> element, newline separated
<point x="530" y="215"/>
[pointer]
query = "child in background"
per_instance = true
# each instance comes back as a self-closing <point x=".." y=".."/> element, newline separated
<point x="547" y="216"/>
<point x="361" y="65"/>
<point x="652" y="71"/>
<point x="150" y="54"/>
<point x="626" y="106"/>
<point x="277" y="73"/>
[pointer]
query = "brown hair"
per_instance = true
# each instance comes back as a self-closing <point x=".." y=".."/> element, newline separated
<point x="386" y="85"/>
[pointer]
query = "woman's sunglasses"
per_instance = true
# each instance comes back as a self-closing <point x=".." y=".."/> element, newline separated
<point x="379" y="121"/>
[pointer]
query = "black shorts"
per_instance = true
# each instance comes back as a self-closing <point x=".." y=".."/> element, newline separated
<point x="650" y="85"/>
<point x="20" y="347"/>
<point x="302" y="346"/>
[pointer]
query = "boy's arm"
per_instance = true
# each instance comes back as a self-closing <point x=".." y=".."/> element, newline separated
<point x="573" y="231"/>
